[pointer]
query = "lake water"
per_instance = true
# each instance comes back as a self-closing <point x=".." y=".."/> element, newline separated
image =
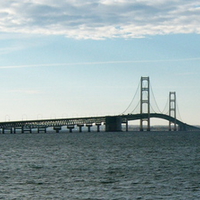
<point x="110" y="166"/>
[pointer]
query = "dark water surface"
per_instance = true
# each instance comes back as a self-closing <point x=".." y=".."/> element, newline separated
<point x="134" y="165"/>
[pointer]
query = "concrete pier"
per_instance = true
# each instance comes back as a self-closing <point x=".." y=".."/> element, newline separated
<point x="89" y="127"/>
<point x="70" y="127"/>
<point x="7" y="129"/>
<point x="42" y="129"/>
<point x="57" y="128"/>
<point x="127" y="126"/>
<point x="17" y="128"/>
<point x="113" y="124"/>
<point x="80" y="127"/>
<point x="98" y="127"/>
<point x="26" y="129"/>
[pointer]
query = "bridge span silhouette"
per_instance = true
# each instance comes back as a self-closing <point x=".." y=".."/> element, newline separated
<point x="111" y="123"/>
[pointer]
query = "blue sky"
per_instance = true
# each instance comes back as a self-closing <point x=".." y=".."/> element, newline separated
<point x="82" y="58"/>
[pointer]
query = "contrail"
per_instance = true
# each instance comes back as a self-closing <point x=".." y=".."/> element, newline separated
<point x="96" y="63"/>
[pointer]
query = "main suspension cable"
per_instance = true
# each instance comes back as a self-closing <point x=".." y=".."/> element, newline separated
<point x="154" y="99"/>
<point x="132" y="99"/>
<point x="165" y="110"/>
<point x="135" y="107"/>
<point x="178" y="111"/>
<point x="152" y="109"/>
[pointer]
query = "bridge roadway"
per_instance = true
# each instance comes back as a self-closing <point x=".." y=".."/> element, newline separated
<point x="112" y="123"/>
<point x="182" y="126"/>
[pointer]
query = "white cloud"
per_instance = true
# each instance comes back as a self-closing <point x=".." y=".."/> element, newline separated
<point x="99" y="19"/>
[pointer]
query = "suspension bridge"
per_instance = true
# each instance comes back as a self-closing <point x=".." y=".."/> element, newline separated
<point x="111" y="123"/>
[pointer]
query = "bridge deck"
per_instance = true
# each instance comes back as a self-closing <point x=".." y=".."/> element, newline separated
<point x="31" y="124"/>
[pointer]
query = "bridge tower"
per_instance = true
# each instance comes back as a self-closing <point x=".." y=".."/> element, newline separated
<point x="172" y="110"/>
<point x="145" y="103"/>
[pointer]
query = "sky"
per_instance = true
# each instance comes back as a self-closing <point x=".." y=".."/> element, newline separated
<point x="74" y="58"/>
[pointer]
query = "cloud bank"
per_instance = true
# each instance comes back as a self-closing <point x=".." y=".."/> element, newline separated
<point x="100" y="19"/>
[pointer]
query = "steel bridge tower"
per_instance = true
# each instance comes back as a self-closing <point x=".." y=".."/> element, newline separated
<point x="145" y="103"/>
<point x="172" y="110"/>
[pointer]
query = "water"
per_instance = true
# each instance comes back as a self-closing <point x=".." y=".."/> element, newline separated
<point x="120" y="166"/>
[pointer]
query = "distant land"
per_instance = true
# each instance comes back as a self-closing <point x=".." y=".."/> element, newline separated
<point x="153" y="128"/>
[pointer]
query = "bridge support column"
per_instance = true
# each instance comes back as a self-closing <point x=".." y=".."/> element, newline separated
<point x="42" y="129"/>
<point x="17" y="128"/>
<point x="98" y="127"/>
<point x="7" y="128"/>
<point x="182" y="128"/>
<point x="126" y="126"/>
<point x="26" y="129"/>
<point x="70" y="127"/>
<point x="80" y="127"/>
<point x="113" y="124"/>
<point x="89" y="127"/>
<point x="57" y="128"/>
